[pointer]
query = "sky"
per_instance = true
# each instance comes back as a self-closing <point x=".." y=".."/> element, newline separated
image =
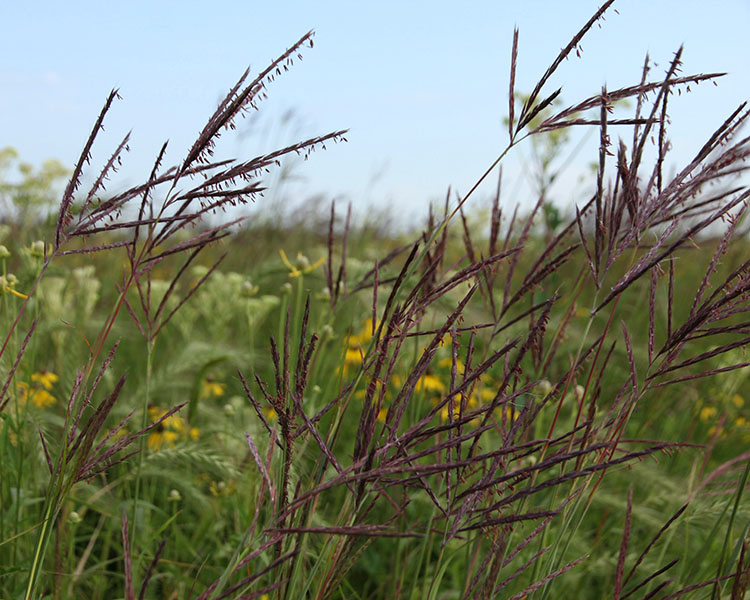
<point x="421" y="86"/>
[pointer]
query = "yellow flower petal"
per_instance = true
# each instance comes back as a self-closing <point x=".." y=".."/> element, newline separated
<point x="430" y="383"/>
<point x="707" y="413"/>
<point x="353" y="357"/>
<point x="212" y="389"/>
<point x="42" y="398"/>
<point x="293" y="271"/>
<point x="45" y="378"/>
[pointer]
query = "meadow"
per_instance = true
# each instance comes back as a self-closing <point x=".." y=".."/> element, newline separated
<point x="512" y="402"/>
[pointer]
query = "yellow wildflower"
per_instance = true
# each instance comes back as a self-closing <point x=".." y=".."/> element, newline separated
<point x="120" y="433"/>
<point x="361" y="393"/>
<point x="353" y="356"/>
<point x="46" y="379"/>
<point x="302" y="266"/>
<point x="170" y="431"/>
<point x="270" y="413"/>
<point x="738" y="401"/>
<point x="363" y="337"/>
<point x="161" y="437"/>
<point x="510" y="413"/>
<point x="430" y="383"/>
<point x="487" y="394"/>
<point x="357" y="344"/>
<point x="39" y="397"/>
<point x="457" y="413"/>
<point x="472" y="402"/>
<point x="447" y="363"/>
<point x="212" y="389"/>
<point x="707" y="413"/>
<point x="445" y="412"/>
<point x="7" y="283"/>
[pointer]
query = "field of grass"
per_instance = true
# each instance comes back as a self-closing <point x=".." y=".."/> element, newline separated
<point x="501" y="405"/>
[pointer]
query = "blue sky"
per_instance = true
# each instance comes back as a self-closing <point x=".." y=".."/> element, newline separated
<point x="422" y="86"/>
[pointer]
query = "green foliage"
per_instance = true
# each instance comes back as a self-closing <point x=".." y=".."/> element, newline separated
<point x="502" y="414"/>
<point x="200" y="492"/>
<point x="27" y="194"/>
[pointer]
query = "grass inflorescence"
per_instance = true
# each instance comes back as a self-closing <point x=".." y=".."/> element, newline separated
<point x="507" y="411"/>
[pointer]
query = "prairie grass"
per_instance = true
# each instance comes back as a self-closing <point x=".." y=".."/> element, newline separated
<point x="329" y="411"/>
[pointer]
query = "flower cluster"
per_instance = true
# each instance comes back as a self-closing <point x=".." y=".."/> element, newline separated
<point x="301" y="265"/>
<point x="357" y="345"/>
<point x="212" y="389"/>
<point x="736" y="421"/>
<point x="38" y="392"/>
<point x="171" y="430"/>
<point x="431" y="386"/>
<point x="8" y="284"/>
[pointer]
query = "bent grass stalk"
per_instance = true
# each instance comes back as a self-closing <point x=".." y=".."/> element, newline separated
<point x="92" y="213"/>
<point x="341" y="473"/>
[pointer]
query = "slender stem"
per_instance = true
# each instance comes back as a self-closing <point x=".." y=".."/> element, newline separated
<point x="297" y="318"/>
<point x="36" y="565"/>
<point x="142" y="441"/>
